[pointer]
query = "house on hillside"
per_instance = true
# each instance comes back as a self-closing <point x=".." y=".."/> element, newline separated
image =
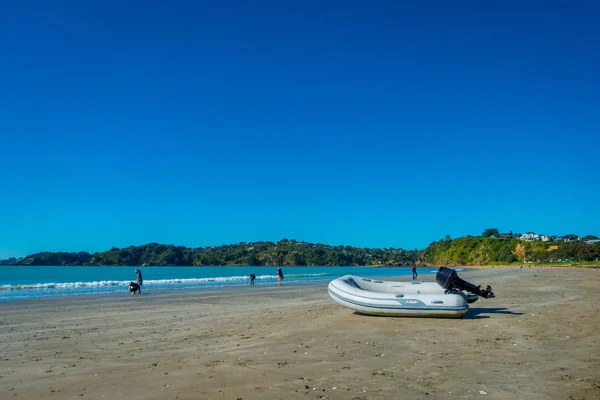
<point x="530" y="236"/>
<point x="569" y="238"/>
<point x="547" y="238"/>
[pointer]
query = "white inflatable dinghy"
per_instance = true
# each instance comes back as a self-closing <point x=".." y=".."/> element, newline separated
<point x="448" y="297"/>
<point x="375" y="297"/>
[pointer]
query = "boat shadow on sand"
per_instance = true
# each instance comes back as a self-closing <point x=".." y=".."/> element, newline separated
<point x="481" y="313"/>
<point x="472" y="313"/>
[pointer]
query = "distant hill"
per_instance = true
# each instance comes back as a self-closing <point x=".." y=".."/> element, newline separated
<point x="462" y="251"/>
<point x="284" y="252"/>
<point x="492" y="250"/>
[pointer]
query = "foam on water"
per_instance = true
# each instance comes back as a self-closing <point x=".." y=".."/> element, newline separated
<point x="159" y="282"/>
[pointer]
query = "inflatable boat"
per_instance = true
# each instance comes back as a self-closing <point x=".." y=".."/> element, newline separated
<point x="417" y="287"/>
<point x="443" y="299"/>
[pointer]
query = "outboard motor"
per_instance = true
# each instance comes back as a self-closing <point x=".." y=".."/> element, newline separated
<point x="449" y="280"/>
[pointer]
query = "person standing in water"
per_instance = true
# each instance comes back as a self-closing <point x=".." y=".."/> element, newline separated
<point x="279" y="275"/>
<point x="139" y="279"/>
<point x="252" y="278"/>
<point x="414" y="271"/>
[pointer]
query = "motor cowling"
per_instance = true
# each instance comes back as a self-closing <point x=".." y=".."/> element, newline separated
<point x="449" y="280"/>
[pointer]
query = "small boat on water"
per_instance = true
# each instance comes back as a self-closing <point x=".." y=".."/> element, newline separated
<point x="441" y="299"/>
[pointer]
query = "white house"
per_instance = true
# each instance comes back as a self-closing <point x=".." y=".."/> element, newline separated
<point x="529" y="236"/>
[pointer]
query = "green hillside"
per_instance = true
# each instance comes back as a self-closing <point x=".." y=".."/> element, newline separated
<point x="489" y="249"/>
<point x="496" y="251"/>
<point x="284" y="252"/>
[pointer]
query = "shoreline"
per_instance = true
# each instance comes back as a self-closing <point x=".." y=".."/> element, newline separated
<point x="528" y="266"/>
<point x="164" y="280"/>
<point x="161" y="293"/>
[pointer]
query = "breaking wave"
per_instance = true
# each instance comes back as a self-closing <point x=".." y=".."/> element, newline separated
<point x="186" y="282"/>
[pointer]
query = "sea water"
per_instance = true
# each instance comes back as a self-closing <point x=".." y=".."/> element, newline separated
<point x="21" y="282"/>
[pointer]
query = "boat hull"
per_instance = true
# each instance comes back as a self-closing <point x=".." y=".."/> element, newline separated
<point x="374" y="297"/>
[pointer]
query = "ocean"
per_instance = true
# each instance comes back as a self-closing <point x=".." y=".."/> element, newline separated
<point x="23" y="282"/>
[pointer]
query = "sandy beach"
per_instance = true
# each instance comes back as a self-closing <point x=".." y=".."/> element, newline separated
<point x="538" y="339"/>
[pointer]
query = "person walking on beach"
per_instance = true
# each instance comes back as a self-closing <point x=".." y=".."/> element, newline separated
<point x="279" y="275"/>
<point x="139" y="279"/>
<point x="414" y="271"/>
<point x="252" y="278"/>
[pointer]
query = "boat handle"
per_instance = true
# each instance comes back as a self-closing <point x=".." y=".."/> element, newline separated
<point x="399" y="295"/>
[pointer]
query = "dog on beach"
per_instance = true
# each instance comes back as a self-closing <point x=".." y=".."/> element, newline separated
<point x="134" y="288"/>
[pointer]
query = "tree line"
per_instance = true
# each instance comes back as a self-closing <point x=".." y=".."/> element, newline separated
<point x="494" y="248"/>
<point x="487" y="249"/>
<point x="285" y="252"/>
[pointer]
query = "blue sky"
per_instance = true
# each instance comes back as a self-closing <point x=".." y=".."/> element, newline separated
<point x="369" y="124"/>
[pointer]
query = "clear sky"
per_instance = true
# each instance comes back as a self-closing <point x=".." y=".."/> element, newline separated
<point x="373" y="123"/>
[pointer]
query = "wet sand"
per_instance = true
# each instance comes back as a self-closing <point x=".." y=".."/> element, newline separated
<point x="539" y="339"/>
